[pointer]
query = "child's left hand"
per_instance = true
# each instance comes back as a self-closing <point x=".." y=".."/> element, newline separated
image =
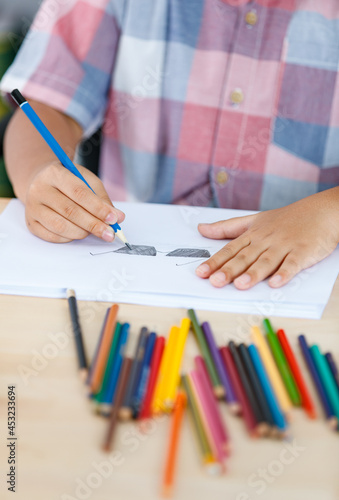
<point x="277" y="243"/>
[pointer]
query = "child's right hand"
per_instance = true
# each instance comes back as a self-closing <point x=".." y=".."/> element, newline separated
<point x="61" y="208"/>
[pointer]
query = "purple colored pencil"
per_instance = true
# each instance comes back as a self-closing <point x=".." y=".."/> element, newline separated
<point x="315" y="376"/>
<point x="333" y="367"/>
<point x="219" y="365"/>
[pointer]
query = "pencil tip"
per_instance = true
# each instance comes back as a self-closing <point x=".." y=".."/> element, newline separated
<point x="70" y="293"/>
<point x="128" y="246"/>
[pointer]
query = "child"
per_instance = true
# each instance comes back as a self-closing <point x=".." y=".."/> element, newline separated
<point x="204" y="102"/>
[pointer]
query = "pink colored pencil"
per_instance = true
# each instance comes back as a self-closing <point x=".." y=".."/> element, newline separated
<point x="206" y="410"/>
<point x="208" y="390"/>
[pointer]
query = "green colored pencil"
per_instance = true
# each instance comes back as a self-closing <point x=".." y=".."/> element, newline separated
<point x="326" y="376"/>
<point x="282" y="364"/>
<point x="98" y="397"/>
<point x="200" y="338"/>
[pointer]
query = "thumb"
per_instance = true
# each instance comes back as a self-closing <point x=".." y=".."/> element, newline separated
<point x="226" y="229"/>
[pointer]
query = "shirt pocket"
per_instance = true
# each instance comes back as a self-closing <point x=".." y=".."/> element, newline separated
<point x="307" y="121"/>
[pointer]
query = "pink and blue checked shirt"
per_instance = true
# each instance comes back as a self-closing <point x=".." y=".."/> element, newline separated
<point x="227" y="102"/>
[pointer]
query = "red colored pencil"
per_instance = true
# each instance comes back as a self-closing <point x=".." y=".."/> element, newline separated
<point x="145" y="411"/>
<point x="247" y="413"/>
<point x="306" y="400"/>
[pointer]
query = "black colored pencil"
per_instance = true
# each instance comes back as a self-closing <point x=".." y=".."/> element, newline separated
<point x="262" y="427"/>
<point x="73" y="309"/>
<point x="255" y="384"/>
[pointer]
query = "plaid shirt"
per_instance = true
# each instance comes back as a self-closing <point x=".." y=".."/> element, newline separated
<point x="224" y="102"/>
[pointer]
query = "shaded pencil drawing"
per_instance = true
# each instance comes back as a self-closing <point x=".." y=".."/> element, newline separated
<point x="190" y="252"/>
<point x="137" y="250"/>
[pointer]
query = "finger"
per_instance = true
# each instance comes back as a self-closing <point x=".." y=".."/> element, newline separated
<point x="236" y="266"/>
<point x="266" y="264"/>
<point x="222" y="256"/>
<point x="76" y="190"/>
<point x="226" y="229"/>
<point x="57" y="224"/>
<point x="292" y="265"/>
<point x="73" y="212"/>
<point x="41" y="232"/>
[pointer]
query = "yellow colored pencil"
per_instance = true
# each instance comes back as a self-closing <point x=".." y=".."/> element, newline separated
<point x="271" y="368"/>
<point x="158" y="399"/>
<point x="173" y="376"/>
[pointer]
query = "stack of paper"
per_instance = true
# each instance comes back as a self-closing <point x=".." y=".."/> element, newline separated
<point x="160" y="272"/>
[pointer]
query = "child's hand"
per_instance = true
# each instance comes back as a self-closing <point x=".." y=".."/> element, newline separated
<point x="60" y="207"/>
<point x="278" y="242"/>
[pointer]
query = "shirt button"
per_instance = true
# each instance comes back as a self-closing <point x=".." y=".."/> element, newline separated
<point x="222" y="177"/>
<point x="237" y="96"/>
<point x="251" y="18"/>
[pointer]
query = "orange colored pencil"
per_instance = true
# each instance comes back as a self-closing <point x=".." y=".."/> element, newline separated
<point x="101" y="361"/>
<point x="178" y="413"/>
<point x="306" y="401"/>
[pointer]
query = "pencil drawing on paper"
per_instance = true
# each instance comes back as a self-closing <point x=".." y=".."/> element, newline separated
<point x="197" y="253"/>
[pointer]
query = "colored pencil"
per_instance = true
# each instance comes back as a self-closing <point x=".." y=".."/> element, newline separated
<point x="57" y="149"/>
<point x="196" y="377"/>
<point x="333" y="367"/>
<point x="247" y="412"/>
<point x="220" y="367"/>
<point x="98" y="398"/>
<point x="262" y="428"/>
<point x="271" y="369"/>
<point x="212" y="466"/>
<point x="73" y="310"/>
<point x="208" y="388"/>
<point x="178" y="413"/>
<point x="306" y="400"/>
<point x="97" y="350"/>
<point x="332" y="420"/>
<point x="140" y="388"/>
<point x="173" y="377"/>
<point x="200" y="338"/>
<point x="125" y="411"/>
<point x="160" y="388"/>
<point x="255" y="384"/>
<point x="212" y="403"/>
<point x="145" y="411"/>
<point x="326" y="376"/>
<point x="271" y="398"/>
<point x="123" y="378"/>
<point x="282" y="364"/>
<point x="104" y="350"/>
<point x="108" y="396"/>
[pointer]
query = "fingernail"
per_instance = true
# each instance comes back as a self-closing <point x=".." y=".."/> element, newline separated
<point x="111" y="218"/>
<point x="203" y="270"/>
<point x="218" y="279"/>
<point x="244" y="279"/>
<point x="108" y="234"/>
<point x="275" y="280"/>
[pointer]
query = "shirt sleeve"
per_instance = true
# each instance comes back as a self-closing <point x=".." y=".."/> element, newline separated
<point x="67" y="58"/>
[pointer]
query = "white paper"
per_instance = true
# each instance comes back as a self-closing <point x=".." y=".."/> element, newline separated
<point x="34" y="267"/>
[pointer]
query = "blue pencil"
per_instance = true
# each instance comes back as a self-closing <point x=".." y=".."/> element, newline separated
<point x="273" y="404"/>
<point x="317" y="381"/>
<point x="144" y="373"/>
<point x="108" y="397"/>
<point x="57" y="149"/>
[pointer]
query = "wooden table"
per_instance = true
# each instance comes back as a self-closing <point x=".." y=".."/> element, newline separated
<point x="59" y="439"/>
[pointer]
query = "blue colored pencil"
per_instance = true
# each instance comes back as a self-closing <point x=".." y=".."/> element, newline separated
<point x="57" y="149"/>
<point x="272" y="401"/>
<point x="333" y="367"/>
<point x="317" y="381"/>
<point x="125" y="412"/>
<point x="108" y="396"/>
<point x="144" y="373"/>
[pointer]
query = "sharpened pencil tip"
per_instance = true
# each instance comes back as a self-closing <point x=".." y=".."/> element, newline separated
<point x="128" y="246"/>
